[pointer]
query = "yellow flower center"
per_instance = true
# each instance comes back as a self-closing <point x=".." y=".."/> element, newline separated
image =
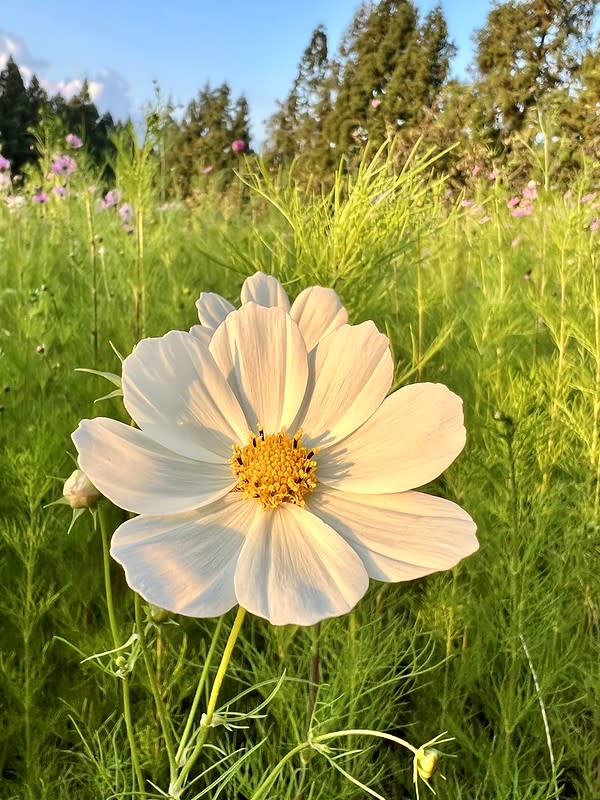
<point x="274" y="468"/>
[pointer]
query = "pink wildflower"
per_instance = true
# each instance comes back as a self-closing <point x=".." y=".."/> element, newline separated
<point x="375" y="102"/>
<point x="73" y="141"/>
<point x="126" y="214"/>
<point x="587" y="198"/>
<point x="5" y="181"/>
<point x="4" y="162"/>
<point x="60" y="191"/>
<point x="40" y="197"/>
<point x="494" y="174"/>
<point x="111" y="198"/>
<point x="238" y="145"/>
<point x="595" y="224"/>
<point x="514" y="201"/>
<point x="523" y="210"/>
<point x="476" y="170"/>
<point x="530" y="191"/>
<point x="208" y="170"/>
<point x="63" y="165"/>
<point x="466" y="203"/>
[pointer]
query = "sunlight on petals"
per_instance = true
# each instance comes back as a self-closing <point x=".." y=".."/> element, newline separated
<point x="186" y="563"/>
<point x="401" y="536"/>
<point x="212" y="309"/>
<point x="318" y="311"/>
<point x="345" y="391"/>
<point x="177" y="395"/>
<point x="264" y="290"/>
<point x="414" y="435"/>
<point x="139" y="475"/>
<point x="263" y="356"/>
<point x="294" y="569"/>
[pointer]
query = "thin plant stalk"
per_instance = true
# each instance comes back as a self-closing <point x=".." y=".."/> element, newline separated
<point x="116" y="643"/>
<point x="177" y="786"/>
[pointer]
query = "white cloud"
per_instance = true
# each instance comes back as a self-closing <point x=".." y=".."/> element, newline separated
<point x="108" y="89"/>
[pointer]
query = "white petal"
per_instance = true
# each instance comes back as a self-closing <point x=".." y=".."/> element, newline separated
<point x="318" y="311"/>
<point x="412" y="437"/>
<point x="212" y="309"/>
<point x="177" y="395"/>
<point x="263" y="356"/>
<point x="350" y="373"/>
<point x="185" y="563"/>
<point x="141" y="476"/>
<point x="265" y="290"/>
<point x="202" y="333"/>
<point x="294" y="569"/>
<point x="398" y="536"/>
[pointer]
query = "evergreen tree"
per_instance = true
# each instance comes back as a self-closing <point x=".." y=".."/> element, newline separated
<point x="527" y="49"/>
<point x="18" y="113"/>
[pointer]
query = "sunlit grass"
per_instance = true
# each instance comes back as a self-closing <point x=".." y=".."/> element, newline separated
<point x="502" y="653"/>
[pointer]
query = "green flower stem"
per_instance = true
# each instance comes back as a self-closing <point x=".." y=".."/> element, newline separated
<point x="107" y="584"/>
<point x="190" y="720"/>
<point x="116" y="643"/>
<point x="268" y="782"/>
<point x="161" y="711"/>
<point x="177" y="786"/>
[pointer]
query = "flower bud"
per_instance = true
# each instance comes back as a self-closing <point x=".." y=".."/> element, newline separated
<point x="79" y="491"/>
<point x="427" y="761"/>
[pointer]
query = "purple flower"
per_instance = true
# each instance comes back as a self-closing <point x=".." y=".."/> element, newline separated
<point x="522" y="211"/>
<point x="530" y="191"/>
<point x="126" y="214"/>
<point x="595" y="224"/>
<point x="74" y="142"/>
<point x="40" y="197"/>
<point x="4" y="162"/>
<point x="63" y="165"/>
<point x="60" y="191"/>
<point x="238" y="145"/>
<point x="209" y="169"/>
<point x="111" y="198"/>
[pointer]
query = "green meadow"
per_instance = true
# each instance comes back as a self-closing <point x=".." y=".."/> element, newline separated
<point x="502" y="652"/>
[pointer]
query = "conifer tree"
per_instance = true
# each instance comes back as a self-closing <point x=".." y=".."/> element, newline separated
<point x="527" y="49"/>
<point x="18" y="113"/>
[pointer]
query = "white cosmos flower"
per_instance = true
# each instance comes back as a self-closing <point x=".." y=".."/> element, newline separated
<point x="272" y="475"/>
<point x="317" y="310"/>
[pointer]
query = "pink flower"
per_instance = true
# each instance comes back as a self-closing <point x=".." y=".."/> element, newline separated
<point x="522" y="211"/>
<point x="530" y="191"/>
<point x="484" y="219"/>
<point x="209" y="169"/>
<point x="375" y="102"/>
<point x="238" y="145"/>
<point x="111" y="198"/>
<point x="514" y="201"/>
<point x="495" y="173"/>
<point x="60" y="191"/>
<point x="5" y="181"/>
<point x="587" y="198"/>
<point x="466" y="203"/>
<point x="476" y="170"/>
<point x="40" y="197"/>
<point x="73" y="141"/>
<point x="4" y="162"/>
<point x="63" y="165"/>
<point x="126" y="214"/>
<point x="595" y="224"/>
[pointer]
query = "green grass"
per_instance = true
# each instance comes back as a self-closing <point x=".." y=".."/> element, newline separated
<point x="502" y="652"/>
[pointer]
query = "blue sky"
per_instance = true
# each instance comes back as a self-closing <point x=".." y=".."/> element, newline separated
<point x="122" y="46"/>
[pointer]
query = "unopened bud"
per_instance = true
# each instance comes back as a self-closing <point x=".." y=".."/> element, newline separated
<point x="158" y="614"/>
<point x="427" y="761"/>
<point x="79" y="491"/>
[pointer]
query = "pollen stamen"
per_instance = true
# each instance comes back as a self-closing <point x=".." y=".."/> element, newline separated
<point x="274" y="468"/>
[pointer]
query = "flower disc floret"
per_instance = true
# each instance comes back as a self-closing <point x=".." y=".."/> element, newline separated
<point x="273" y="468"/>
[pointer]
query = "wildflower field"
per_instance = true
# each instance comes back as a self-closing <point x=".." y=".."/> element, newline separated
<point x="488" y="671"/>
